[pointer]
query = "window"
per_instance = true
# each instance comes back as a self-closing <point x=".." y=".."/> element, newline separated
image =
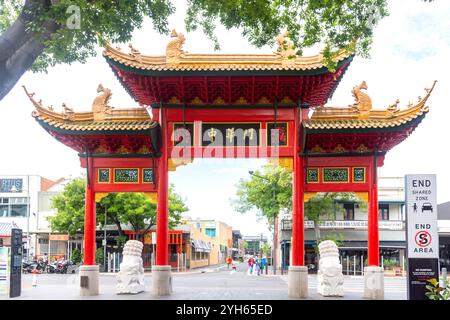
<point x="383" y="212"/>
<point x="210" y="232"/>
<point x="18" y="210"/>
<point x="4" y="210"/>
<point x="13" y="207"/>
<point x="349" y="211"/>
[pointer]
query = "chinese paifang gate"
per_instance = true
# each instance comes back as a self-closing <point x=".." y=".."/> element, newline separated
<point x="262" y="100"/>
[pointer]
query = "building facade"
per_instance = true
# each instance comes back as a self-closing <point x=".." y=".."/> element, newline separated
<point x="254" y="244"/>
<point x="25" y="201"/>
<point x="348" y="225"/>
<point x="238" y="250"/>
<point x="210" y="242"/>
<point x="443" y="210"/>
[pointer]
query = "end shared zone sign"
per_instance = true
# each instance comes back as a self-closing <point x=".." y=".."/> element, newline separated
<point x="422" y="233"/>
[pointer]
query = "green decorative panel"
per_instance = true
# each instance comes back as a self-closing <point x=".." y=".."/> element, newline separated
<point x="103" y="176"/>
<point x="126" y="175"/>
<point x="359" y="174"/>
<point x="148" y="175"/>
<point x="313" y="175"/>
<point x="335" y="175"/>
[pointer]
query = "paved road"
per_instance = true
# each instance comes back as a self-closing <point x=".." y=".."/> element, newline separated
<point x="216" y="283"/>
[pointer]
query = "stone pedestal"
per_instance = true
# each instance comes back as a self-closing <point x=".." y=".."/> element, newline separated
<point x="298" y="282"/>
<point x="374" y="283"/>
<point x="89" y="280"/>
<point x="161" y="280"/>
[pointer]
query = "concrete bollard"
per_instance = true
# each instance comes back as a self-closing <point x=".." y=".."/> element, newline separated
<point x="89" y="275"/>
<point x="161" y="280"/>
<point x="298" y="282"/>
<point x="374" y="283"/>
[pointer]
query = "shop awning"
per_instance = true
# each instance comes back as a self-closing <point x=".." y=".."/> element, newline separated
<point x="207" y="246"/>
<point x="5" y="229"/>
<point x="201" y="246"/>
<point x="196" y="245"/>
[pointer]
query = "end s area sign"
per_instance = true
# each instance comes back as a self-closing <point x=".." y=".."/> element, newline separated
<point x="421" y="215"/>
<point x="422" y="233"/>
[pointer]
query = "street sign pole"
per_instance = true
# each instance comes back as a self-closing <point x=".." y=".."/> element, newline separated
<point x="422" y="234"/>
<point x="15" y="280"/>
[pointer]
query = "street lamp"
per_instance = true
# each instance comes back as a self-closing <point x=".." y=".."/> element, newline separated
<point x="274" y="252"/>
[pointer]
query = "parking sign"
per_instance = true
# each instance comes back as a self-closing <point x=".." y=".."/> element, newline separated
<point x="422" y="233"/>
<point x="421" y="216"/>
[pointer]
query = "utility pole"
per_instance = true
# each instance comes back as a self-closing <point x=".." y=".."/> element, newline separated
<point x="104" y="244"/>
<point x="260" y="246"/>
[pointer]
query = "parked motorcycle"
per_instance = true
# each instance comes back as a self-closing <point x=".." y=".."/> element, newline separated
<point x="29" y="266"/>
<point x="59" y="266"/>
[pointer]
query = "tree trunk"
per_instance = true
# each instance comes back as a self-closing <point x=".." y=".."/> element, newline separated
<point x="147" y="229"/>
<point x="317" y="231"/>
<point x="19" y="48"/>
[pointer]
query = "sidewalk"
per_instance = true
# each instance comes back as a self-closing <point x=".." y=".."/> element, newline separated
<point x="213" y="268"/>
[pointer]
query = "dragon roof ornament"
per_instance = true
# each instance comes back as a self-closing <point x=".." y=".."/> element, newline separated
<point x="361" y="114"/>
<point x="101" y="117"/>
<point x="175" y="58"/>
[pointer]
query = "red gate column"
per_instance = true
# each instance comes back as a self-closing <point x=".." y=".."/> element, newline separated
<point x="89" y="271"/>
<point x="372" y="217"/>
<point x="89" y="227"/>
<point x="373" y="274"/>
<point x="298" y="273"/>
<point x="298" y="243"/>
<point x="162" y="213"/>
<point x="162" y="278"/>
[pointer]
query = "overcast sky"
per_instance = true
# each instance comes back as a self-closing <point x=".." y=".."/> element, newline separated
<point x="411" y="48"/>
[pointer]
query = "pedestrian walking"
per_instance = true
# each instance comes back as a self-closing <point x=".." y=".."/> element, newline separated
<point x="250" y="263"/>
<point x="45" y="261"/>
<point x="263" y="264"/>
<point x="229" y="261"/>
<point x="257" y="270"/>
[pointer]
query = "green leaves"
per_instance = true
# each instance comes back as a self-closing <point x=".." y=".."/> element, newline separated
<point x="435" y="292"/>
<point x="9" y="11"/>
<point x="99" y="20"/>
<point x="334" y="25"/>
<point x="121" y="208"/>
<point x="69" y="206"/>
<point x="433" y="281"/>
<point x="269" y="191"/>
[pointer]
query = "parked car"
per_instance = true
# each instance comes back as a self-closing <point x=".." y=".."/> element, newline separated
<point x="427" y="206"/>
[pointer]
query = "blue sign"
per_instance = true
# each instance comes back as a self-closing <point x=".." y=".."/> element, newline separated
<point x="11" y="185"/>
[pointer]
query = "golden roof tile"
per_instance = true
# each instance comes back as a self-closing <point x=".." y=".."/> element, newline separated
<point x="176" y="59"/>
<point x="361" y="115"/>
<point x="101" y="118"/>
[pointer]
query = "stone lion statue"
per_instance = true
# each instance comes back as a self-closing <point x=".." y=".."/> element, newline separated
<point x="130" y="278"/>
<point x="330" y="277"/>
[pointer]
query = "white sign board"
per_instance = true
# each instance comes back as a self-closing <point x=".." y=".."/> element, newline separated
<point x="4" y="271"/>
<point x="421" y="216"/>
